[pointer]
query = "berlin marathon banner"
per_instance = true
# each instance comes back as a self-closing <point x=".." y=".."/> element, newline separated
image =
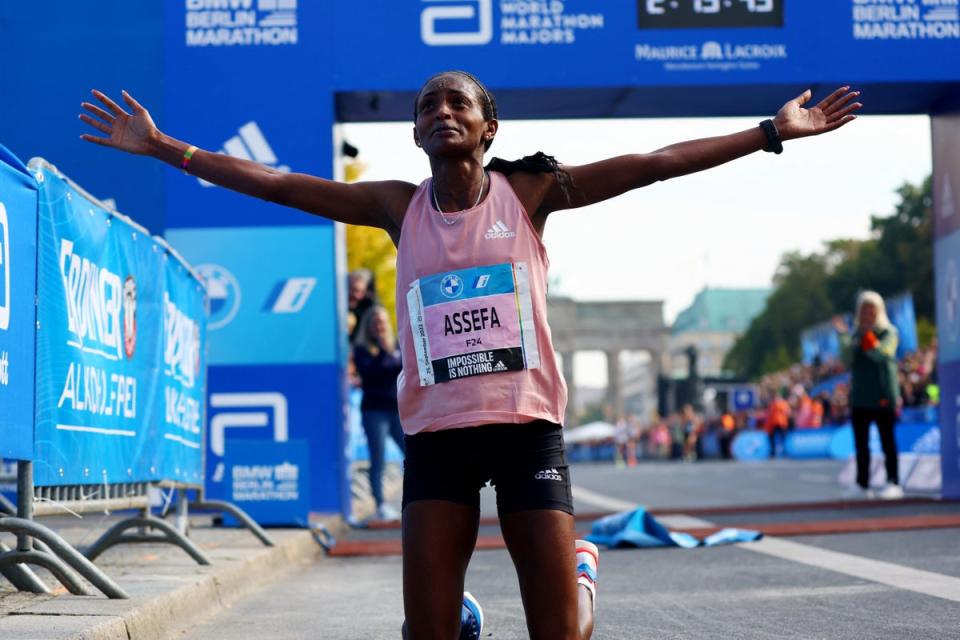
<point x="119" y="374"/>
<point x="18" y="258"/>
<point x="179" y="425"/>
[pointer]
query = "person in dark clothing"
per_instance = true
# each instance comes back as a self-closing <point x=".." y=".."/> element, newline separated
<point x="360" y="298"/>
<point x="871" y="354"/>
<point x="377" y="359"/>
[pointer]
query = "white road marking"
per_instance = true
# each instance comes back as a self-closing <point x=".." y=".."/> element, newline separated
<point x="887" y="573"/>
<point x="601" y="501"/>
<point x="683" y="521"/>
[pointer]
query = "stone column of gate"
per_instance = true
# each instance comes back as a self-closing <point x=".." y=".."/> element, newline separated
<point x="614" y="385"/>
<point x="570" y="418"/>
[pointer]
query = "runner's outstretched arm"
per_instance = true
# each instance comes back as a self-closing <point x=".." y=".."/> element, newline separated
<point x="609" y="178"/>
<point x="373" y="204"/>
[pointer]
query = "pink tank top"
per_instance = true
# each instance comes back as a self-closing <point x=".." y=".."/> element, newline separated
<point x="472" y="316"/>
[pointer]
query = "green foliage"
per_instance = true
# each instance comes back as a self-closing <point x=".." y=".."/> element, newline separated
<point x="372" y="249"/>
<point x="810" y="289"/>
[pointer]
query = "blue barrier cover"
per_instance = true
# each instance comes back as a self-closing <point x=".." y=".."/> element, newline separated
<point x="809" y="443"/>
<point x="18" y="271"/>
<point x="183" y="375"/>
<point x="918" y="438"/>
<point x="103" y="369"/>
<point x="751" y="445"/>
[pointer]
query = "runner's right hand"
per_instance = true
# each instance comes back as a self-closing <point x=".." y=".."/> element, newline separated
<point x="130" y="132"/>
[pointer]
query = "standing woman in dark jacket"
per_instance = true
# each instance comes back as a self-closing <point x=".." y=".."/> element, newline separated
<point x="377" y="359"/>
<point x="871" y="354"/>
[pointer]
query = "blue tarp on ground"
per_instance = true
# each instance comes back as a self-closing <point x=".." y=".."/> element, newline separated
<point x="638" y="528"/>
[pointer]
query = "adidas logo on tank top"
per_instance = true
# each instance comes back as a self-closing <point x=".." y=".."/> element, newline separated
<point x="499" y="230"/>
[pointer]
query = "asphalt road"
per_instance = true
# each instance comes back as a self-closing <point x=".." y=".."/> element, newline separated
<point x="903" y="584"/>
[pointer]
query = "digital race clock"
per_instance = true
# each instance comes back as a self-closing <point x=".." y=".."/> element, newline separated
<point x="709" y="14"/>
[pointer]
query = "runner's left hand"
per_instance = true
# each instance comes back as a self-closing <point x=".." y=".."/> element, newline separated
<point x="834" y="111"/>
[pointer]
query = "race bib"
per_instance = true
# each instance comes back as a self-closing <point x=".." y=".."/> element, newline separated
<point x="473" y="322"/>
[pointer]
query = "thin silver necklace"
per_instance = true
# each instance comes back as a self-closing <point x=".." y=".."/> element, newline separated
<point x="457" y="214"/>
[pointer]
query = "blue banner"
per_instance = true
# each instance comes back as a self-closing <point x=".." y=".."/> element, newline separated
<point x="915" y="438"/>
<point x="266" y="404"/>
<point x="901" y="314"/>
<point x="751" y="445"/>
<point x="743" y="399"/>
<point x="273" y="297"/>
<point x="945" y="130"/>
<point x="18" y="276"/>
<point x="183" y="375"/>
<point x="946" y="253"/>
<point x="270" y="481"/>
<point x="117" y="348"/>
<point x="820" y="342"/>
<point x="949" y="373"/>
<point x="808" y="443"/>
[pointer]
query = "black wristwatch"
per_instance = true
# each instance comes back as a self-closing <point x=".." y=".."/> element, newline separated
<point x="774" y="143"/>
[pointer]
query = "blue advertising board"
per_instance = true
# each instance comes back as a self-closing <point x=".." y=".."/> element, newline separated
<point x="272" y="291"/>
<point x="270" y="481"/>
<point x="99" y="314"/>
<point x="117" y="347"/>
<point x="743" y="398"/>
<point x="945" y="130"/>
<point x="275" y="346"/>
<point x="751" y="446"/>
<point x="18" y="277"/>
<point x="950" y="427"/>
<point x="904" y="318"/>
<point x="183" y="375"/>
<point x="277" y="403"/>
<point x="247" y="61"/>
<point x="642" y="44"/>
<point x="915" y="438"/>
<point x="947" y="281"/>
<point x="946" y="250"/>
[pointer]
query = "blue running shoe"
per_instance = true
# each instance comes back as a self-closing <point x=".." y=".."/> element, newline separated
<point x="471" y="618"/>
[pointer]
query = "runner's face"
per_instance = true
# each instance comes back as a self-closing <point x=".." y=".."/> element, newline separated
<point x="450" y="117"/>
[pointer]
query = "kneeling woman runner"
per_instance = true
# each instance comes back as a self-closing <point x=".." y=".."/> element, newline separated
<point x="485" y="402"/>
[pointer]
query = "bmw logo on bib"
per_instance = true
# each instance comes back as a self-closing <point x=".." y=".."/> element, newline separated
<point x="451" y="286"/>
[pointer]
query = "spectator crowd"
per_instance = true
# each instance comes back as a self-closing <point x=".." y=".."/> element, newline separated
<point x="799" y="397"/>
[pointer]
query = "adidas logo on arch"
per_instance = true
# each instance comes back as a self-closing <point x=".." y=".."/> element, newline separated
<point x="499" y="230"/>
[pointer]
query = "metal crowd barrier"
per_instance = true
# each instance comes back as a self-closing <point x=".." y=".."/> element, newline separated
<point x="40" y="546"/>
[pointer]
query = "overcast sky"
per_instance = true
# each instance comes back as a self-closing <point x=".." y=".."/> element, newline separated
<point x="726" y="227"/>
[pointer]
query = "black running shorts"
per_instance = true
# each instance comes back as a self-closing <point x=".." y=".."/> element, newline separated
<point x="526" y="463"/>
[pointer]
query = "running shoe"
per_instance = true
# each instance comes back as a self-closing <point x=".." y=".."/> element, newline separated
<point x="588" y="561"/>
<point x="387" y="512"/>
<point x="891" y="492"/>
<point x="471" y="618"/>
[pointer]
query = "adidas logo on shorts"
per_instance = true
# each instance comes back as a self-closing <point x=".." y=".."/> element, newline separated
<point x="500" y="366"/>
<point x="549" y="474"/>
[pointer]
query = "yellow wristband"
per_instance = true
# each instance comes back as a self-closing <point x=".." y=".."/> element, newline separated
<point x="187" y="155"/>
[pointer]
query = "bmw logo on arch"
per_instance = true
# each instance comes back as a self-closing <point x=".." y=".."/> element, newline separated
<point x="224" y="293"/>
<point x="451" y="286"/>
